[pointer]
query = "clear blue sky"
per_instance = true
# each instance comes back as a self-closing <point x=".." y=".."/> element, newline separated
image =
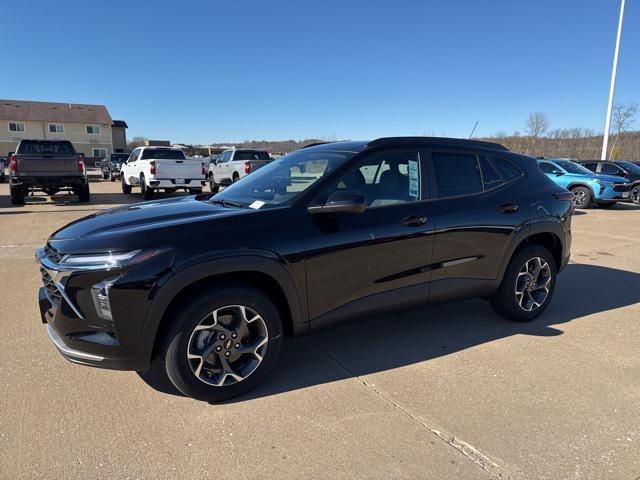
<point x="211" y="71"/>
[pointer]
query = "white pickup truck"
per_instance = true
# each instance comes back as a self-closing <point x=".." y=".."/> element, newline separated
<point x="232" y="165"/>
<point x="161" y="168"/>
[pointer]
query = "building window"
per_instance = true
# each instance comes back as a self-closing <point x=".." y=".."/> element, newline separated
<point x="93" y="129"/>
<point x="56" y="128"/>
<point x="100" y="152"/>
<point x="16" y="127"/>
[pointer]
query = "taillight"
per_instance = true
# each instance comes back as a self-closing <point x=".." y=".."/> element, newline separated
<point x="247" y="167"/>
<point x="80" y="164"/>
<point x="204" y="170"/>
<point x="567" y="197"/>
<point x="13" y="164"/>
<point x="152" y="165"/>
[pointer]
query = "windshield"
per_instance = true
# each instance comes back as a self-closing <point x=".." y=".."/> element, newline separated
<point x="630" y="167"/>
<point x="283" y="180"/>
<point x="573" y="167"/>
<point x="251" y="155"/>
<point x="162" y="154"/>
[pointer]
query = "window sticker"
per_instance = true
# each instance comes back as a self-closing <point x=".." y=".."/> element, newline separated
<point x="256" y="205"/>
<point x="414" y="183"/>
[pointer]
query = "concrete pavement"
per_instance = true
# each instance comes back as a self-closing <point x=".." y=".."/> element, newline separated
<point x="447" y="392"/>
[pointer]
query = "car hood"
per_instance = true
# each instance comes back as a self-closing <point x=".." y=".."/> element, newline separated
<point x="144" y="223"/>
<point x="610" y="178"/>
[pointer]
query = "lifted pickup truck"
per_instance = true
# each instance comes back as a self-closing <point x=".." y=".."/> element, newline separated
<point x="235" y="164"/>
<point x="48" y="166"/>
<point x="166" y="168"/>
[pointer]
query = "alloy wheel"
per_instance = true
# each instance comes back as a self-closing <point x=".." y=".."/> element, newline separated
<point x="635" y="195"/>
<point x="533" y="283"/>
<point x="580" y="198"/>
<point x="227" y="345"/>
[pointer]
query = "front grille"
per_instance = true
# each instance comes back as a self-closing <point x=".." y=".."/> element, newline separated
<point x="621" y="188"/>
<point x="52" y="291"/>
<point x="52" y="254"/>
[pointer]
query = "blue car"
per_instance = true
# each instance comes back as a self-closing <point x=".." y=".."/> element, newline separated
<point x="588" y="187"/>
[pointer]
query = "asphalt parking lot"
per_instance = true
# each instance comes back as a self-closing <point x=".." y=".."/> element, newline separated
<point x="448" y="392"/>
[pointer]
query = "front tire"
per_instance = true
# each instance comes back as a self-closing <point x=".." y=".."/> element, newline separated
<point x="634" y="195"/>
<point x="126" y="189"/>
<point x="527" y="286"/>
<point x="223" y="343"/>
<point x="582" y="197"/>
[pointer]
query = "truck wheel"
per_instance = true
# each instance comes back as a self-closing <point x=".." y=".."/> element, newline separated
<point x="213" y="186"/>
<point x="17" y="195"/>
<point x="236" y="177"/>
<point x="581" y="197"/>
<point x="527" y="285"/>
<point x="147" y="192"/>
<point x="222" y="343"/>
<point x="84" y="196"/>
<point x="112" y="177"/>
<point x="105" y="175"/>
<point x="195" y="191"/>
<point x="125" y="188"/>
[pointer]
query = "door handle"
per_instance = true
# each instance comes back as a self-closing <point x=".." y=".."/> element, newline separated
<point x="414" y="220"/>
<point x="508" y="208"/>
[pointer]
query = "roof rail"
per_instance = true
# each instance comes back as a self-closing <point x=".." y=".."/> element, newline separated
<point x="453" y="142"/>
<point x="314" y="144"/>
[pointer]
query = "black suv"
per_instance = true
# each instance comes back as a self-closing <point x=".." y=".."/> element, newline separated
<point x="620" y="168"/>
<point x="111" y="165"/>
<point x="208" y="286"/>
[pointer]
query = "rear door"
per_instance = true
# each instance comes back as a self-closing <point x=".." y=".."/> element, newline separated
<point x="478" y="206"/>
<point x="379" y="260"/>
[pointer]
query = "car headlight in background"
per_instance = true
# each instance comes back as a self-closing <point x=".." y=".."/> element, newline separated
<point x="107" y="261"/>
<point x="605" y="184"/>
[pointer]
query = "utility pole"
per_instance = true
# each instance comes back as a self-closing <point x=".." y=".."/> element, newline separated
<point x="612" y="88"/>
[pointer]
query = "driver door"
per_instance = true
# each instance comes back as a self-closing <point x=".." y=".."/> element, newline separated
<point x="358" y="264"/>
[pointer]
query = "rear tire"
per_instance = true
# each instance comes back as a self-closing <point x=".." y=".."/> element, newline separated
<point x="126" y="189"/>
<point x="188" y="337"/>
<point x="147" y="192"/>
<point x="17" y="195"/>
<point x="533" y="301"/>
<point x="84" y="196"/>
<point x="582" y="197"/>
<point x="235" y="178"/>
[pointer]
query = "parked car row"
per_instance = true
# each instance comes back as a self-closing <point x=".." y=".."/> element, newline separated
<point x="591" y="182"/>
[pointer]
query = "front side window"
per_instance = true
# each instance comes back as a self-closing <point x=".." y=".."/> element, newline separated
<point x="56" y="128"/>
<point x="384" y="179"/>
<point x="99" y="152"/>
<point x="93" y="129"/>
<point x="630" y="167"/>
<point x="611" y="169"/>
<point x="16" y="127"/>
<point x="456" y="174"/>
<point x="283" y="180"/>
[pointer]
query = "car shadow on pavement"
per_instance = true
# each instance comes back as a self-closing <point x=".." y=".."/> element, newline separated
<point x="401" y="339"/>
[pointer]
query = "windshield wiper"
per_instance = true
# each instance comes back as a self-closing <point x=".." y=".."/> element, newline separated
<point x="227" y="203"/>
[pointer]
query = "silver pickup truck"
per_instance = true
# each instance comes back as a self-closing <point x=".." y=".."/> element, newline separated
<point x="48" y="166"/>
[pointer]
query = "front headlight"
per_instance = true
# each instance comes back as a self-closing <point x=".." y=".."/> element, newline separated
<point x="106" y="261"/>
<point x="605" y="184"/>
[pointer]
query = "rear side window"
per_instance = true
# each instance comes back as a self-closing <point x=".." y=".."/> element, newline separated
<point x="490" y="177"/>
<point x="593" y="166"/>
<point x="456" y="174"/>
<point x="34" y="147"/>
<point x="507" y="169"/>
<point x="251" y="155"/>
<point x="162" y="154"/>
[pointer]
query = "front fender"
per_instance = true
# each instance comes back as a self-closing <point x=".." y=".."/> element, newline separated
<point x="219" y="264"/>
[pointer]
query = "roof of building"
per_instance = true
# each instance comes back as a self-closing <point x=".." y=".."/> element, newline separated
<point x="120" y="123"/>
<point x="53" y="112"/>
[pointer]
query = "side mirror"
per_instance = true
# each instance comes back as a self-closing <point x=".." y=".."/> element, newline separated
<point x="558" y="173"/>
<point x="341" y="202"/>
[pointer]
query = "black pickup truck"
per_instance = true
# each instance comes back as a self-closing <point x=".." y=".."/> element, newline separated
<point x="48" y="166"/>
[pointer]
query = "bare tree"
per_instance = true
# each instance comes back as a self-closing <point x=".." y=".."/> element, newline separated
<point x="135" y="142"/>
<point x="537" y="124"/>
<point x="623" y="117"/>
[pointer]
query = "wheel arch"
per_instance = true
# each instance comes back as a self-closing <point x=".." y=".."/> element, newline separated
<point x="256" y="271"/>
<point x="573" y="185"/>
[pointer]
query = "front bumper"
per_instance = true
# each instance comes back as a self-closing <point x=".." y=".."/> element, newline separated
<point x="81" y="336"/>
<point x="612" y="192"/>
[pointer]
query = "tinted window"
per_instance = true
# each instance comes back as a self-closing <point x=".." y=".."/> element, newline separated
<point x="593" y="166"/>
<point x="456" y="174"/>
<point x="490" y="177"/>
<point x="384" y="179"/>
<point x="119" y="157"/>
<point x="631" y="167"/>
<point x="508" y="170"/>
<point x="251" y="155"/>
<point x="162" y="154"/>
<point x="573" y="167"/>
<point x="548" y="167"/>
<point x="611" y="169"/>
<point x="34" y="147"/>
